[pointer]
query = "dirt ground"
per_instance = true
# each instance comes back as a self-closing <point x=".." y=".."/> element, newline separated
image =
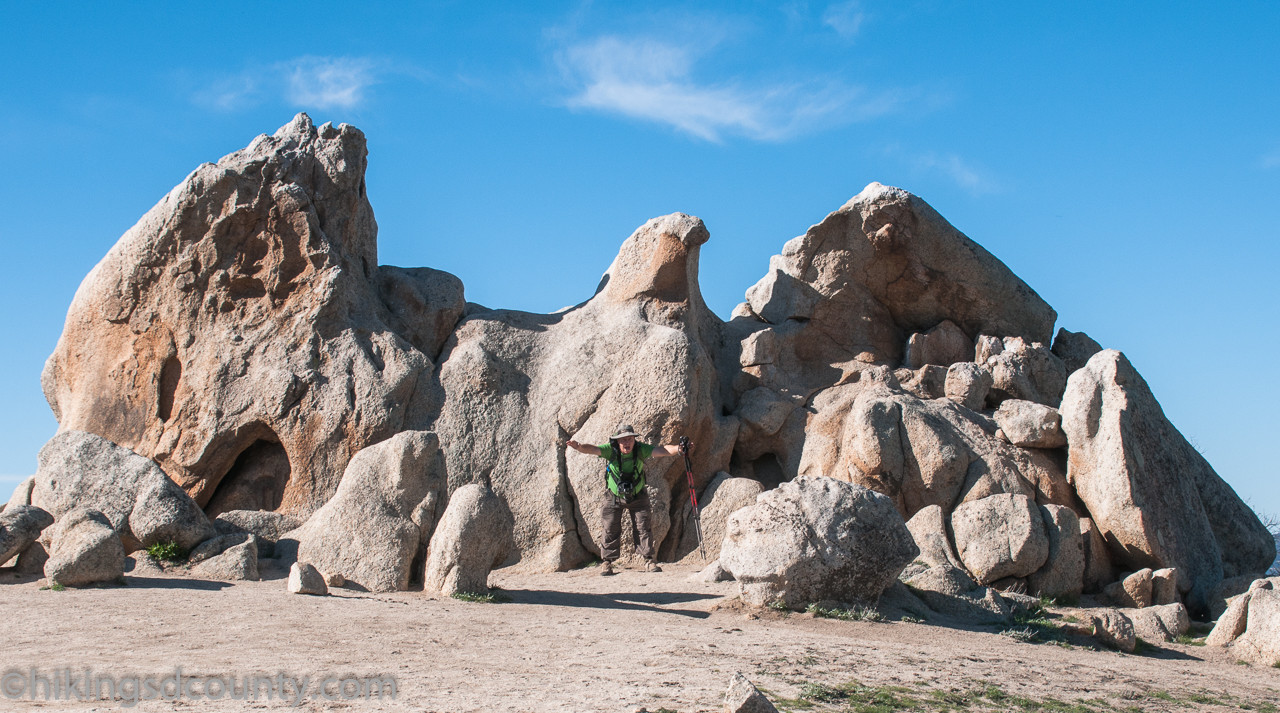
<point x="571" y="641"/>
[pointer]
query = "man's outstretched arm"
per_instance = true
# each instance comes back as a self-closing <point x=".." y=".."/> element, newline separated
<point x="584" y="448"/>
<point x="663" y="451"/>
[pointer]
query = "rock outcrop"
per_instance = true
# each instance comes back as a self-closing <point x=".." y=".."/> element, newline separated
<point x="1153" y="497"/>
<point x="242" y="334"/>
<point x="814" y="540"/>
<point x="517" y="386"/>
<point x="20" y="525"/>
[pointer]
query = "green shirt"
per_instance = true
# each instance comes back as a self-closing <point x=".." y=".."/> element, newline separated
<point x="632" y="468"/>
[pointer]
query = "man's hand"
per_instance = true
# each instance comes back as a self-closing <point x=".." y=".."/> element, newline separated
<point x="584" y="448"/>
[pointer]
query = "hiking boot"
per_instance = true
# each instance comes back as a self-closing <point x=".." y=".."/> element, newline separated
<point x="651" y="566"/>
<point x="606" y="569"/>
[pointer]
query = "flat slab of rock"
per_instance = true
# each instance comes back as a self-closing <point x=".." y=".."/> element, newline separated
<point x="816" y="539"/>
<point x="238" y="561"/>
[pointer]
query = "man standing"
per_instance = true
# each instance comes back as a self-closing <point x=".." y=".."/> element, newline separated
<point x="624" y="477"/>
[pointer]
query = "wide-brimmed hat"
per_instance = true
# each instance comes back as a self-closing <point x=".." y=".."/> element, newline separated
<point x="625" y="430"/>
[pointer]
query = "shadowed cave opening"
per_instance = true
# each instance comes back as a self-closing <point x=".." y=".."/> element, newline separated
<point x="170" y="375"/>
<point x="256" y="481"/>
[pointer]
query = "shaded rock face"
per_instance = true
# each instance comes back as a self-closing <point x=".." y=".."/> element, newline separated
<point x="814" y="540"/>
<point x="722" y="497"/>
<point x="516" y="387"/>
<point x="20" y="525"/>
<point x="1152" y="496"/>
<point x="242" y="335"/>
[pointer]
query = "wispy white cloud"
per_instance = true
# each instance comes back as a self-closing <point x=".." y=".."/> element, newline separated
<point x="845" y="18"/>
<point x="653" y="80"/>
<point x="307" y="82"/>
<point x="328" y="82"/>
<point x="961" y="172"/>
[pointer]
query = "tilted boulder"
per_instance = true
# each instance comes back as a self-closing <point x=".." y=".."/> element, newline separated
<point x="1160" y="623"/>
<point x="238" y="334"/>
<point x="1164" y="586"/>
<point x="79" y="469"/>
<point x="268" y="527"/>
<point x="373" y="526"/>
<point x="1022" y="370"/>
<point x="1153" y="497"/>
<point x="1114" y="629"/>
<point x="516" y="387"/>
<point x="85" y="550"/>
<point x="1000" y="536"/>
<point x="928" y="529"/>
<point x="968" y="385"/>
<point x="20" y="526"/>
<point x="473" y="537"/>
<point x="1133" y="590"/>
<point x="816" y="539"/>
<point x="1232" y="623"/>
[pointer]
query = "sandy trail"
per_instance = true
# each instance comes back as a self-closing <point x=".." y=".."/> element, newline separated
<point x="566" y="642"/>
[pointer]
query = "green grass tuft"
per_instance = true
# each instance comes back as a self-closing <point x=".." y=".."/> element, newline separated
<point x="167" y="552"/>
<point x="1189" y="640"/>
<point x="55" y="586"/>
<point x="778" y="605"/>
<point x="487" y="598"/>
<point x="855" y="614"/>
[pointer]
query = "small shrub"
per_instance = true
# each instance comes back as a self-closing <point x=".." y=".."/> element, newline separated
<point x="55" y="586"/>
<point x="1189" y="640"/>
<point x="908" y="619"/>
<point x="487" y="598"/>
<point x="855" y="614"/>
<point x="821" y="693"/>
<point x="1024" y="634"/>
<point x="167" y="552"/>
<point x="778" y="605"/>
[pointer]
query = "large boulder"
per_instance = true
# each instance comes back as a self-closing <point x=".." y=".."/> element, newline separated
<point x="816" y="539"/>
<point x="1022" y="370"/>
<point x="1260" y="642"/>
<point x="1232" y="623"/>
<point x="1074" y="349"/>
<point x="242" y="334"/>
<point x="943" y="346"/>
<point x="517" y="386"/>
<point x="1153" y="497"/>
<point x="1062" y="576"/>
<point x="236" y="558"/>
<point x="85" y="550"/>
<point x="304" y="578"/>
<point x="473" y="537"/>
<point x="928" y="529"/>
<point x="1160" y="623"/>
<point x="83" y="470"/>
<point x="1000" y="536"/>
<point x="381" y="515"/>
<point x="20" y="525"/>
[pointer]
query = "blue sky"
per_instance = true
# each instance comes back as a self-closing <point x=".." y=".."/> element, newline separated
<point x="1122" y="158"/>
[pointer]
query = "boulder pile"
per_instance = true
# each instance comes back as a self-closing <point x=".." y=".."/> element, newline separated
<point x="888" y="395"/>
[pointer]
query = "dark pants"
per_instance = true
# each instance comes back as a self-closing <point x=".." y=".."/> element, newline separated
<point x="611" y="513"/>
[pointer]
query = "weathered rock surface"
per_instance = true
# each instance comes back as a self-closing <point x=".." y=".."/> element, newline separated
<point x="1098" y="571"/>
<point x="1133" y="590"/>
<point x="22" y="494"/>
<point x="1029" y="424"/>
<point x="20" y="525"/>
<point x="1062" y="576"/>
<point x="814" y="539"/>
<point x="473" y="537"/>
<point x="85" y="550"/>
<point x="950" y="591"/>
<point x="239" y="334"/>
<point x="722" y="497"/>
<point x="268" y="527"/>
<point x="1160" y="623"/>
<point x="1074" y="349"/>
<point x="743" y="697"/>
<point x="1233" y="621"/>
<point x="928" y="529"/>
<point x="517" y="386"/>
<point x="1000" y="536"/>
<point x="1022" y="370"/>
<point x="381" y="514"/>
<point x="943" y="346"/>
<point x="1260" y="642"/>
<point x="1153" y="497"/>
<point x="83" y="470"/>
<point x="237" y="561"/>
<point x="304" y="578"/>
<point x="1164" y="586"/>
<point x="968" y="385"/>
<point x="1113" y="629"/>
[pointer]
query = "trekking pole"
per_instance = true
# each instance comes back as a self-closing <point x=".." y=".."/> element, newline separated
<point x="693" y="496"/>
